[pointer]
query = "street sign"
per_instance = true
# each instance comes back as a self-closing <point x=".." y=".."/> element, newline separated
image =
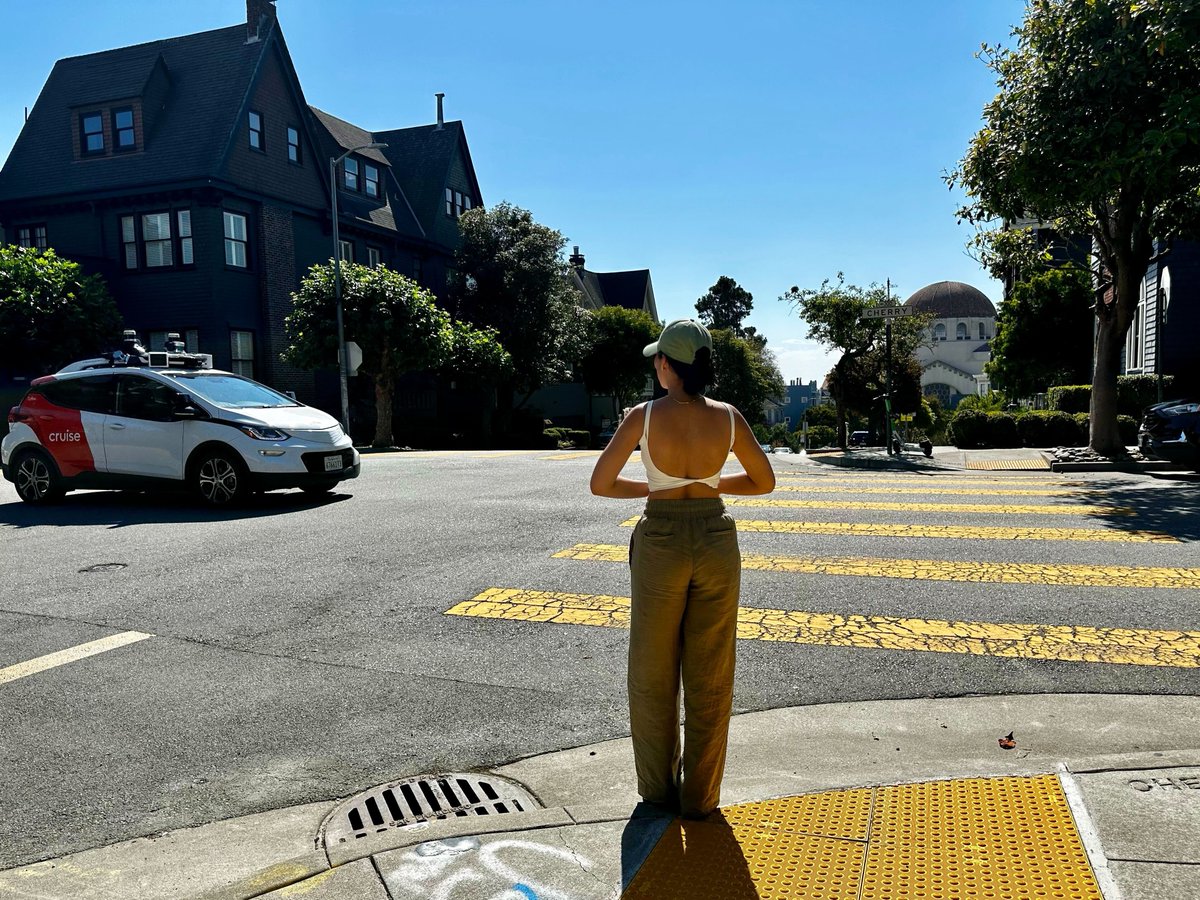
<point x="353" y="358"/>
<point x="887" y="312"/>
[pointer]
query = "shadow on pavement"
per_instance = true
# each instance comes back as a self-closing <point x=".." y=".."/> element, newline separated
<point x="686" y="859"/>
<point x="117" y="509"/>
<point x="1175" y="512"/>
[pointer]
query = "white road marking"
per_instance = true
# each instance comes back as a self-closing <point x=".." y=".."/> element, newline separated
<point x="71" y="654"/>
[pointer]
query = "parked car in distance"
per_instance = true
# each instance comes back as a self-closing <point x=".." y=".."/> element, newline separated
<point x="859" y="438"/>
<point x="1171" y="431"/>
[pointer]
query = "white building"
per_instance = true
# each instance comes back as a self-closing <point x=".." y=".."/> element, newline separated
<point x="956" y="343"/>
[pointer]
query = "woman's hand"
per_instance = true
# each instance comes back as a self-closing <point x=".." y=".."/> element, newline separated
<point x="606" y="476"/>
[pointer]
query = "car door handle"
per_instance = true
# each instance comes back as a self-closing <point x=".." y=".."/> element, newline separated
<point x="115" y="426"/>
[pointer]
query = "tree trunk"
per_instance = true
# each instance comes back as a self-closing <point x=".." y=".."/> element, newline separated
<point x="384" y="397"/>
<point x="1103" y="435"/>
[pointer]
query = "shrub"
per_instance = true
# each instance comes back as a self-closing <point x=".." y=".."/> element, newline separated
<point x="1128" y="428"/>
<point x="1082" y="429"/>
<point x="968" y="429"/>
<point x="565" y="438"/>
<point x="1063" y="430"/>
<point x="1002" y="430"/>
<point x="1070" y="398"/>
<point x="1032" y="426"/>
<point x="821" y="435"/>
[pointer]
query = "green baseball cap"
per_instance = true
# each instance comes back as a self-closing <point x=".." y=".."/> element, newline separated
<point x="681" y="340"/>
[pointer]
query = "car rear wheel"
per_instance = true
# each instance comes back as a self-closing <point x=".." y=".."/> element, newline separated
<point x="37" y="478"/>
<point x="220" y="479"/>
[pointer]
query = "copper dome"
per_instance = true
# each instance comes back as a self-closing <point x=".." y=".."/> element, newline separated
<point x="952" y="300"/>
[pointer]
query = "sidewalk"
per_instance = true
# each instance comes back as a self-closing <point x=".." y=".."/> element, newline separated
<point x="1100" y="798"/>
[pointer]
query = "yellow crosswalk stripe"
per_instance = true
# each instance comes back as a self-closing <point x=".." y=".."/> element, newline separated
<point x="1075" y="643"/>
<point x="988" y="508"/>
<point x="926" y="491"/>
<point x="959" y="532"/>
<point x="581" y="455"/>
<point x="939" y="570"/>
<point x="894" y="478"/>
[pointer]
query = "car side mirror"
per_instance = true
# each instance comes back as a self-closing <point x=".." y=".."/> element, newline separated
<point x="185" y="408"/>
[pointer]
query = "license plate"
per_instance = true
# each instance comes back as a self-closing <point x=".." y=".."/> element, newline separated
<point x="333" y="463"/>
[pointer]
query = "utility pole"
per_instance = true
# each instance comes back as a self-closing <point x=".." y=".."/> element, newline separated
<point x="887" y="383"/>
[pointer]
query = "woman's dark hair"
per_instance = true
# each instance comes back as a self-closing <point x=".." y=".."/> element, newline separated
<point x="697" y="375"/>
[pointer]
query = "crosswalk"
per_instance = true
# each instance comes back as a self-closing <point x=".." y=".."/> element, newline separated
<point x="996" y="498"/>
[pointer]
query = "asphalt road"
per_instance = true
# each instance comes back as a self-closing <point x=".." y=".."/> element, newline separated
<point x="301" y="650"/>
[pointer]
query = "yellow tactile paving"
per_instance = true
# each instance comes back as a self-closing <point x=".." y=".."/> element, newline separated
<point x="942" y="840"/>
<point x="1075" y="575"/>
<point x="991" y="491"/>
<point x="988" y="508"/>
<point x="957" y="532"/>
<point x="1082" y="643"/>
<point x="1018" y="464"/>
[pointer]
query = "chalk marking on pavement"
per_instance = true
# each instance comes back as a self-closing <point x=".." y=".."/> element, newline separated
<point x="956" y="532"/>
<point x="924" y="491"/>
<point x="1071" y="643"/>
<point x="973" y="572"/>
<point x="71" y="654"/>
<point x="988" y="508"/>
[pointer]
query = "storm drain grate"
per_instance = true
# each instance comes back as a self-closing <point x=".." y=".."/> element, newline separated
<point x="426" y="799"/>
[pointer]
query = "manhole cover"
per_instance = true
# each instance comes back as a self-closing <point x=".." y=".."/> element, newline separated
<point x="104" y="567"/>
<point x="424" y="799"/>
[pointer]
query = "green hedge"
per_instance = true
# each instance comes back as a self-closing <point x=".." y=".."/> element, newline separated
<point x="1134" y="394"/>
<point x="972" y="429"/>
<point x="821" y="436"/>
<point x="566" y="438"/>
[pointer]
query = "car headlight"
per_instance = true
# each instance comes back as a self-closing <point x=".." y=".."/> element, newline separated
<point x="262" y="433"/>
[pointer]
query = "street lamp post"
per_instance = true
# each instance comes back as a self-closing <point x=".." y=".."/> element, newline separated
<point x="343" y="360"/>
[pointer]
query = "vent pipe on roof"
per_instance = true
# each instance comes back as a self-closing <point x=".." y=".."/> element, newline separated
<point x="441" y="122"/>
<point x="259" y="16"/>
<point x="576" y="258"/>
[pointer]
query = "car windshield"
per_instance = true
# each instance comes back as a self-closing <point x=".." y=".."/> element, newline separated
<point x="231" y="391"/>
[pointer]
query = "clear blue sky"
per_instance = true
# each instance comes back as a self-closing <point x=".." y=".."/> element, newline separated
<point x="774" y="142"/>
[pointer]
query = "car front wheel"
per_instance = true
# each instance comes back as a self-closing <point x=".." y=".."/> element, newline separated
<point x="220" y="479"/>
<point x="37" y="479"/>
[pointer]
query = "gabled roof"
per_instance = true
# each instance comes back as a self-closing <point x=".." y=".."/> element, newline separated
<point x="421" y="157"/>
<point x="335" y="137"/>
<point x="632" y="289"/>
<point x="209" y="75"/>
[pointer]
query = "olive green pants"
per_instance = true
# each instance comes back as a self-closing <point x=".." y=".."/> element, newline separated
<point x="685" y="578"/>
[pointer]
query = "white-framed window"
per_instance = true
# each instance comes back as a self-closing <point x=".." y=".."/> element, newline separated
<point x="371" y="180"/>
<point x="960" y="331"/>
<point x="129" y="241"/>
<point x="235" y="240"/>
<point x="939" y="332"/>
<point x="293" y="145"/>
<point x="350" y="173"/>
<point x="457" y="203"/>
<point x="346" y="249"/>
<point x="241" y="353"/>
<point x="373" y="257"/>
<point x="255" y="121"/>
<point x="157" y="245"/>
<point x="32" y="236"/>
<point x="183" y="219"/>
<point x="1135" y="339"/>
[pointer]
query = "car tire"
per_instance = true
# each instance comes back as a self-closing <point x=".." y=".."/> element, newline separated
<point x="36" y="478"/>
<point x="219" y="478"/>
<point x="323" y="488"/>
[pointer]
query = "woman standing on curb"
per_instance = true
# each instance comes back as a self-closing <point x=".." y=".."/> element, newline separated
<point x="685" y="569"/>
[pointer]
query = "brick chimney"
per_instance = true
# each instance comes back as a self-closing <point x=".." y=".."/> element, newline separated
<point x="259" y="16"/>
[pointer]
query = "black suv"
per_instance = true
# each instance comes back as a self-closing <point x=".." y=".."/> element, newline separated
<point x="1171" y="431"/>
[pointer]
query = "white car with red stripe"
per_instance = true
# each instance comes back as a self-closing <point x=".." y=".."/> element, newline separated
<point x="103" y="425"/>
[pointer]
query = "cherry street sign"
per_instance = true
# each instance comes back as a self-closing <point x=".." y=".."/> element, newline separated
<point x="887" y="312"/>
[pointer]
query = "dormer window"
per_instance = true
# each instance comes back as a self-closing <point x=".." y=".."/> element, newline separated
<point x="91" y="126"/>
<point x="124" y="137"/>
<point x="457" y="203"/>
<point x="255" y="120"/>
<point x="371" y="180"/>
<point x="350" y="174"/>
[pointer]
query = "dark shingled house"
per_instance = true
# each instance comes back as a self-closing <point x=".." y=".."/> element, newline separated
<point x="191" y="173"/>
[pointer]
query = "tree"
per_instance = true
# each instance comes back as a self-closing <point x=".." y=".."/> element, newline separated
<point x="1095" y="130"/>
<point x="512" y="277"/>
<point x="614" y="364"/>
<point x="1043" y="333"/>
<point x="835" y="317"/>
<point x="51" y="314"/>
<point x="394" y="320"/>
<point x="725" y="306"/>
<point x="746" y="374"/>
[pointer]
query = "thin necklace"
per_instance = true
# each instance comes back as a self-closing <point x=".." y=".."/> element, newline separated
<point x="684" y="402"/>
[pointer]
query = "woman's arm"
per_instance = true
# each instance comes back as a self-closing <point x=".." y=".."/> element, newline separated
<point x="758" y="477"/>
<point x="606" y="477"/>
